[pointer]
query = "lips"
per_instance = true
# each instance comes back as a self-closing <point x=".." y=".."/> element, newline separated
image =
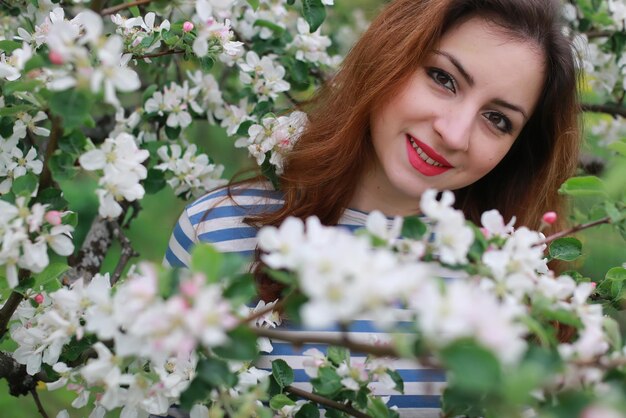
<point x="424" y="159"/>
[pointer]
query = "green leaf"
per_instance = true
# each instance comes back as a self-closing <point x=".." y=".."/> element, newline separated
<point x="395" y="376"/>
<point x="25" y="185"/>
<point x="314" y="13"/>
<point x="614" y="213"/>
<point x="413" y="227"/>
<point x="583" y="186"/>
<point x="74" y="143"/>
<point x="147" y="41"/>
<point x="308" y="410"/>
<point x="172" y="133"/>
<point x="327" y="382"/>
<point x="36" y="61"/>
<point x="148" y="92"/>
<point x="562" y="316"/>
<point x="52" y="197"/>
<point x="472" y="368"/>
<point x="282" y="276"/>
<point x="613" y="284"/>
<point x="49" y="277"/>
<point x="254" y="4"/>
<point x="619" y="147"/>
<point x="208" y="260"/>
<point x="168" y="282"/>
<point x="241" y="289"/>
<point x="279" y="401"/>
<point x="26" y="85"/>
<point x="242" y="345"/>
<point x="566" y="249"/>
<point x="12" y="110"/>
<point x="377" y="408"/>
<point x="75" y="348"/>
<point x="155" y="181"/>
<point x="269" y="171"/>
<point x="62" y="166"/>
<point x="278" y="30"/>
<point x="216" y="373"/>
<point x="262" y="108"/>
<point x="196" y="392"/>
<point x="9" y="46"/>
<point x="73" y="106"/>
<point x="282" y="372"/>
<point x="546" y="339"/>
<point x="612" y="330"/>
<point x="243" y="128"/>
<point x="338" y="355"/>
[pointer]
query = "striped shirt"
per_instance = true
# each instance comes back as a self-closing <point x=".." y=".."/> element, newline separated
<point x="216" y="219"/>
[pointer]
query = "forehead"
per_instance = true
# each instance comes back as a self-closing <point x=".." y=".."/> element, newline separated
<point x="496" y="59"/>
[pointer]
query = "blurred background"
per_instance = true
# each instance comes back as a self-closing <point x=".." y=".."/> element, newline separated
<point x="603" y="248"/>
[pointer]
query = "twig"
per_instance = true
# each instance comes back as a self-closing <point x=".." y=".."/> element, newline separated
<point x="127" y="251"/>
<point x="160" y="54"/>
<point x="14" y="300"/>
<point x="268" y="308"/>
<point x="115" y="9"/>
<point x="45" y="180"/>
<point x="605" y="108"/>
<point x="20" y="382"/>
<point x="326" y="402"/>
<point x="376" y="350"/>
<point x="38" y="402"/>
<point x="574" y="229"/>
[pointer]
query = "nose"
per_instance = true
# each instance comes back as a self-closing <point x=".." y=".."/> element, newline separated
<point x="454" y="125"/>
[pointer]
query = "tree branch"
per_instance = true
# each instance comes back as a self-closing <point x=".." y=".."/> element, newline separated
<point x="612" y="110"/>
<point x="574" y="229"/>
<point x="38" y="402"/>
<point x="127" y="251"/>
<point x="45" y="179"/>
<point x="297" y="340"/>
<point x="14" y="300"/>
<point x="20" y="382"/>
<point x="115" y="9"/>
<point x="89" y="259"/>
<point x="326" y="402"/>
<point x="267" y="309"/>
<point x="160" y="54"/>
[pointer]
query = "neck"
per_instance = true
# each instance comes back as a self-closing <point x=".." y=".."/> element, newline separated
<point x="373" y="194"/>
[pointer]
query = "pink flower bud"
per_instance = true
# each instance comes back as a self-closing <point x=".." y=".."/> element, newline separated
<point x="189" y="288"/>
<point x="55" y="58"/>
<point x="550" y="217"/>
<point x="38" y="298"/>
<point x="594" y="284"/>
<point x="53" y="217"/>
<point x="187" y="26"/>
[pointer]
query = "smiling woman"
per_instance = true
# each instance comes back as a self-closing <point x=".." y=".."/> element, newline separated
<point x="454" y="119"/>
<point x="474" y="96"/>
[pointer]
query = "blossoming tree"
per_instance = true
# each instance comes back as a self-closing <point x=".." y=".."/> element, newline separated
<point x="112" y="90"/>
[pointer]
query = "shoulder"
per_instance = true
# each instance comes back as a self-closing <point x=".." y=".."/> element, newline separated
<point x="218" y="218"/>
<point x="239" y="200"/>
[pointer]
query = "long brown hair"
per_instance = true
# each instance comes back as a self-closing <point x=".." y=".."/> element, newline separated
<point x="326" y="164"/>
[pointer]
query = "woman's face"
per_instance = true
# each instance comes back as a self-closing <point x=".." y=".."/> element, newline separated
<point x="455" y="118"/>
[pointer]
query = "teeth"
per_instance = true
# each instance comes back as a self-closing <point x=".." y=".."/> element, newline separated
<point x="423" y="155"/>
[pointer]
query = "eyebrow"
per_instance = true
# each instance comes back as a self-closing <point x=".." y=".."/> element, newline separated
<point x="470" y="80"/>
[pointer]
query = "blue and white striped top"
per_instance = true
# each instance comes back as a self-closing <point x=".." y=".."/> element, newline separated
<point x="223" y="227"/>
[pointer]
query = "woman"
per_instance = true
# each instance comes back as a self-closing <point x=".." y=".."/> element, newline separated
<point x="476" y="96"/>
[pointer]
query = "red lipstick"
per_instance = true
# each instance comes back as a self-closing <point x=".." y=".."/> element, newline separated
<point x="419" y="161"/>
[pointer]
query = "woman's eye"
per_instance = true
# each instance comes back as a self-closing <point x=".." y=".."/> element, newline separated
<point x="501" y="122"/>
<point x="442" y="78"/>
